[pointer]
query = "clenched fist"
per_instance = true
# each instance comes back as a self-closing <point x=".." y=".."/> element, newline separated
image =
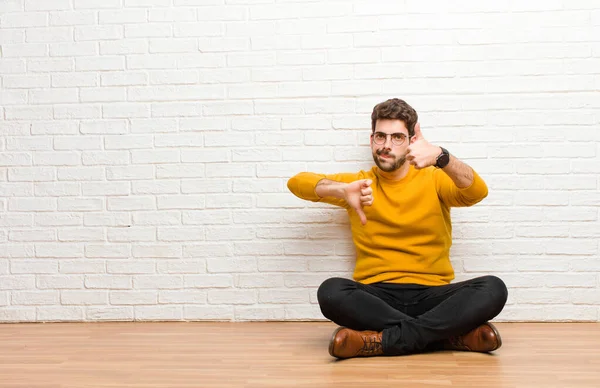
<point x="421" y="153"/>
<point x="359" y="194"/>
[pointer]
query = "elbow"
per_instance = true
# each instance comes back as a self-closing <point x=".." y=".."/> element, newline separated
<point x="484" y="192"/>
<point x="292" y="183"/>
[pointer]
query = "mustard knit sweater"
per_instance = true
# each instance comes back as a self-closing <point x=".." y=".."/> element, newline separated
<point x="408" y="233"/>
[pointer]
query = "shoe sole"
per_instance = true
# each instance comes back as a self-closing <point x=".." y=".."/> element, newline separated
<point x="497" y="333"/>
<point x="332" y="341"/>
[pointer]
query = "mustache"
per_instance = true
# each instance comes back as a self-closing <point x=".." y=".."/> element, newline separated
<point x="384" y="152"/>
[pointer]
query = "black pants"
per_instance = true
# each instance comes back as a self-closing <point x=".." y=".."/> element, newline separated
<point x="413" y="317"/>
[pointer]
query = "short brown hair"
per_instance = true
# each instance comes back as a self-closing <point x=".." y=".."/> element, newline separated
<point x="395" y="109"/>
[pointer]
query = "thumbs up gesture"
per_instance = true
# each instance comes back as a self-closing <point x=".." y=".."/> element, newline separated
<point x="421" y="153"/>
<point x="359" y="194"/>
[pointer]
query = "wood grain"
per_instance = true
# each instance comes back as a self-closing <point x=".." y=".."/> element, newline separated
<point x="281" y="354"/>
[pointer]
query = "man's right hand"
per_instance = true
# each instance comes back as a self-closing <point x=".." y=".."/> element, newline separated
<point x="359" y="194"/>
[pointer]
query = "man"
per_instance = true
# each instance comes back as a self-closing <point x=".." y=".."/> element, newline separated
<point x="401" y="300"/>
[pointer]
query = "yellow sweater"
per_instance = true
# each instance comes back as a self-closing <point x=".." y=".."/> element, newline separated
<point x="408" y="233"/>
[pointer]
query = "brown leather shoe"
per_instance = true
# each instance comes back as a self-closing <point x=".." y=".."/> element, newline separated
<point x="347" y="343"/>
<point x="484" y="338"/>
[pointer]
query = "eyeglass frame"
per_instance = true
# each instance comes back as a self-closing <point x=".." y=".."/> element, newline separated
<point x="404" y="135"/>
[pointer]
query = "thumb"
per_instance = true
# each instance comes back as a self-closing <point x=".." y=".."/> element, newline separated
<point x="361" y="214"/>
<point x="418" y="133"/>
<point x="366" y="183"/>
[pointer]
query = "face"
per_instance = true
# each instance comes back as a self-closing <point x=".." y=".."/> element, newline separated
<point x="389" y="156"/>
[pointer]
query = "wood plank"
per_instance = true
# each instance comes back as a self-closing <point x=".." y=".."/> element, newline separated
<point x="280" y="354"/>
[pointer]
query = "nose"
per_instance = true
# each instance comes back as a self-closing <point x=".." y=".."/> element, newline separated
<point x="389" y="145"/>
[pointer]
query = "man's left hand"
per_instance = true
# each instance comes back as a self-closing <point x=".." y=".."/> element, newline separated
<point x="421" y="153"/>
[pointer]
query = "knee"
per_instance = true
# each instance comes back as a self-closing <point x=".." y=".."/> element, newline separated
<point x="329" y="291"/>
<point x="497" y="289"/>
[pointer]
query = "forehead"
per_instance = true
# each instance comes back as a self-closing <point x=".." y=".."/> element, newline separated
<point x="391" y="126"/>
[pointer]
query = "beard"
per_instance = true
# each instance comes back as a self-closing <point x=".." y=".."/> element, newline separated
<point x="392" y="163"/>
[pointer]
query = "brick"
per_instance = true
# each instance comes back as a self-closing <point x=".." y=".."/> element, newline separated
<point x="79" y="204"/>
<point x="30" y="50"/>
<point x="74" y="79"/>
<point x="26" y="298"/>
<point x="111" y="251"/>
<point x="179" y="171"/>
<point x="80" y="173"/>
<point x="33" y="266"/>
<point x="177" y="14"/>
<point x="12" y="66"/>
<point x="58" y="219"/>
<point x="81" y="297"/>
<point x="17" y="314"/>
<point x="103" y="127"/>
<point x="113" y="219"/>
<point x="157" y="250"/>
<point x="91" y="4"/>
<point x="124" y="46"/>
<point x="60" y="282"/>
<point x="208" y="281"/>
<point x="131" y="267"/>
<point x="28" y="113"/>
<point x="77" y="49"/>
<point x="210" y="313"/>
<point x="259" y="313"/>
<point x="174" y="77"/>
<point x="72" y="18"/>
<point x="57" y="189"/>
<point x="185" y="267"/>
<point x="133" y="297"/>
<point x="224" y="296"/>
<point x="49" y="34"/>
<point x="154" y="282"/>
<point x="206" y="217"/>
<point x="123" y="16"/>
<point x="182" y="297"/>
<point x="92" y="158"/>
<point x="131" y="234"/>
<point x="24" y="19"/>
<point x="128" y="142"/>
<point x="198" y="29"/>
<point x="103" y="63"/>
<point x="125" y="110"/>
<point x="17" y="282"/>
<point x="109" y="314"/>
<point x="231" y="265"/>
<point x="171" y="45"/>
<point x="86" y="235"/>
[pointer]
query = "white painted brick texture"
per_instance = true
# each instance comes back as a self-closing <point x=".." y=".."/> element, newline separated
<point x="145" y="147"/>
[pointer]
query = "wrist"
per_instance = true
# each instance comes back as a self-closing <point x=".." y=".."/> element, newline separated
<point x="328" y="188"/>
<point x="442" y="159"/>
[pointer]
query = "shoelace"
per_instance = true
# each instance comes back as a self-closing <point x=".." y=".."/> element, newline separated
<point x="371" y="345"/>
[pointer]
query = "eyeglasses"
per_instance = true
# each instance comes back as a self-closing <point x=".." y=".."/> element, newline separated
<point x="397" y="138"/>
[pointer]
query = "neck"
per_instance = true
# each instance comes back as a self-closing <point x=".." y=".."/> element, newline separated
<point x="395" y="175"/>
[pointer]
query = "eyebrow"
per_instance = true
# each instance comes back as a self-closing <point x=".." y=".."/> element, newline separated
<point x="394" y="133"/>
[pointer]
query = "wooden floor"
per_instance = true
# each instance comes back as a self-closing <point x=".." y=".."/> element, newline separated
<point x="208" y="355"/>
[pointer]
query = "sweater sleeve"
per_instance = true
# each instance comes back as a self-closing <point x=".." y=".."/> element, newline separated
<point x="455" y="196"/>
<point x="303" y="186"/>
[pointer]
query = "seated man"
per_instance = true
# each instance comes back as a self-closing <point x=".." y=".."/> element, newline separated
<point x="401" y="300"/>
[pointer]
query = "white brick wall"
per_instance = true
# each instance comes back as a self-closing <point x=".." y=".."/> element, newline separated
<point x="145" y="147"/>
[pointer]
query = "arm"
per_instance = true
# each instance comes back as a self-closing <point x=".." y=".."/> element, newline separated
<point x="457" y="184"/>
<point x="328" y="188"/>
<point x="460" y="172"/>
<point x="348" y="191"/>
